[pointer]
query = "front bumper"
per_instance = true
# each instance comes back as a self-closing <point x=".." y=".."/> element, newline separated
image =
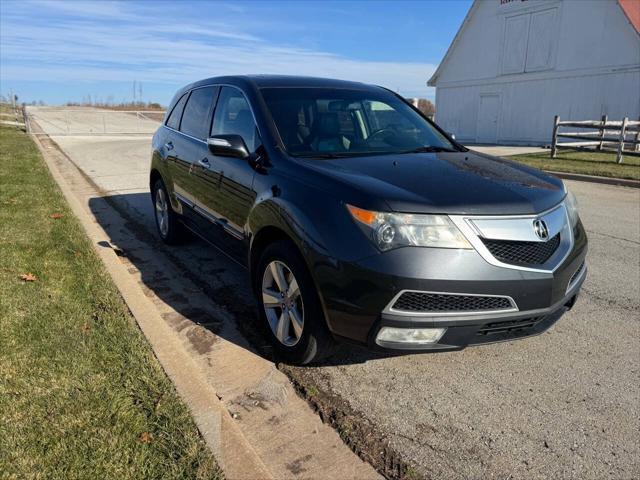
<point x="355" y="295"/>
<point x="462" y="331"/>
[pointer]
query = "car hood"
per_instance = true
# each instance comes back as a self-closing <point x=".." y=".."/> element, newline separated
<point x="448" y="182"/>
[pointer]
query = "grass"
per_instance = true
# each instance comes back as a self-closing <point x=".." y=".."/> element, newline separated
<point x="588" y="163"/>
<point x="81" y="393"/>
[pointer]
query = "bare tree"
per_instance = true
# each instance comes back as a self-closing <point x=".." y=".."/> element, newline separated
<point x="426" y="107"/>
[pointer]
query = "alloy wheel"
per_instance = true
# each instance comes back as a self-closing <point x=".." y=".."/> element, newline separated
<point x="282" y="303"/>
<point x="162" y="212"/>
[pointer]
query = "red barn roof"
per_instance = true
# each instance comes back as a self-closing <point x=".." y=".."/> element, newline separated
<point x="631" y="9"/>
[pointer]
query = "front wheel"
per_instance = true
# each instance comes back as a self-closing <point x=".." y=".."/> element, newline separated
<point x="169" y="227"/>
<point x="290" y="306"/>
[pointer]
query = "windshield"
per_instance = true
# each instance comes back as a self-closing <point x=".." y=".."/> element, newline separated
<point x="329" y="123"/>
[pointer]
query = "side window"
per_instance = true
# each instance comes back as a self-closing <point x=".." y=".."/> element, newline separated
<point x="197" y="113"/>
<point x="174" y="118"/>
<point x="233" y="117"/>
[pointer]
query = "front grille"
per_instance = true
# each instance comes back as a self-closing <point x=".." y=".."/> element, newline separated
<point x="522" y="253"/>
<point x="438" y="302"/>
<point x="510" y="326"/>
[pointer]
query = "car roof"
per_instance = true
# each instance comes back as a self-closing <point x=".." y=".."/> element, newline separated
<point x="276" y="81"/>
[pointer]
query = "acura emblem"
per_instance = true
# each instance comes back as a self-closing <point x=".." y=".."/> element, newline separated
<point x="541" y="229"/>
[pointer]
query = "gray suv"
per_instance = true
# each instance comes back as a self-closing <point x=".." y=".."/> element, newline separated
<point x="360" y="220"/>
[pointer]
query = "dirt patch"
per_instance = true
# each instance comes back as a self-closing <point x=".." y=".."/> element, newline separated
<point x="201" y="339"/>
<point x="355" y="430"/>
<point x="296" y="467"/>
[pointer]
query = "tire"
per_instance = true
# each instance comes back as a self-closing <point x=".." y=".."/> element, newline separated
<point x="297" y="342"/>
<point x="169" y="228"/>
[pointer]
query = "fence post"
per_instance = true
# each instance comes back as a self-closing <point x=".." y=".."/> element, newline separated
<point x="554" y="138"/>
<point x="621" y="144"/>
<point x="602" y="130"/>
<point x="25" y="116"/>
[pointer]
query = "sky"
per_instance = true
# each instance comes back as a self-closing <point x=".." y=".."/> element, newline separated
<point x="65" y="50"/>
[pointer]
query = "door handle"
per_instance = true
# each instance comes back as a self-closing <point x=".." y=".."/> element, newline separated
<point x="168" y="145"/>
<point x="204" y="163"/>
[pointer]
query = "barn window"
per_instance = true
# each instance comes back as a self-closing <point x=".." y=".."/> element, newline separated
<point x="529" y="42"/>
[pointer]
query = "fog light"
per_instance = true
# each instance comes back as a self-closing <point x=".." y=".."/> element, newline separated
<point x="411" y="336"/>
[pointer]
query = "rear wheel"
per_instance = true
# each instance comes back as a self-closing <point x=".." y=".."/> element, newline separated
<point x="290" y="306"/>
<point x="169" y="227"/>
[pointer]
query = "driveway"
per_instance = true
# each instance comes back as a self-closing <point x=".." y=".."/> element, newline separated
<point x="565" y="404"/>
<point x="506" y="150"/>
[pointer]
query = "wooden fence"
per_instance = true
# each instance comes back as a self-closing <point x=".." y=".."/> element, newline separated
<point x="622" y="137"/>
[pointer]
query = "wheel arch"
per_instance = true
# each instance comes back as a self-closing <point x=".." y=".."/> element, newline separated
<point x="154" y="176"/>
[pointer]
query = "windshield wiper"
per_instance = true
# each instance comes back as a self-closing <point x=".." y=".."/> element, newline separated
<point x="429" y="149"/>
<point x="326" y="155"/>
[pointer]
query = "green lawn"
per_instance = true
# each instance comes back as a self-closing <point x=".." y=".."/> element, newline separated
<point x="588" y="163"/>
<point x="81" y="393"/>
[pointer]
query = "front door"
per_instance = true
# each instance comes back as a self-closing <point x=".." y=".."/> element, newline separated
<point x="488" y="118"/>
<point x="232" y="202"/>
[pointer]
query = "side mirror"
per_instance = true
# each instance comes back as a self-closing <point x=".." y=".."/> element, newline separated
<point x="228" y="146"/>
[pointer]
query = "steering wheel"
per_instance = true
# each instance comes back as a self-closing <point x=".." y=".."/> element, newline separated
<point x="383" y="133"/>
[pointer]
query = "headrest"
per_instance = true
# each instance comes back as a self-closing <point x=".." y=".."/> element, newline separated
<point x="328" y="124"/>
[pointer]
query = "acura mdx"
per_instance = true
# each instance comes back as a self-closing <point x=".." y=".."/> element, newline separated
<point x="363" y="221"/>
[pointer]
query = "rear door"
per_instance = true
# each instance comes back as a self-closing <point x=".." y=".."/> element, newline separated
<point x="235" y="196"/>
<point x="192" y="144"/>
<point x="171" y="147"/>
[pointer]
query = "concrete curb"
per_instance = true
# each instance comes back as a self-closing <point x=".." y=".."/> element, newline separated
<point x="221" y="433"/>
<point x="623" y="182"/>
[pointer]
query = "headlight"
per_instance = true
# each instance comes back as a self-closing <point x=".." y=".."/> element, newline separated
<point x="572" y="208"/>
<point x="392" y="230"/>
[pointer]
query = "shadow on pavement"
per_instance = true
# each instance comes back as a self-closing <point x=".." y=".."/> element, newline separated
<point x="196" y="279"/>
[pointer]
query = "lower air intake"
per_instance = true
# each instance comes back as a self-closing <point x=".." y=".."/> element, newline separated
<point x="437" y="302"/>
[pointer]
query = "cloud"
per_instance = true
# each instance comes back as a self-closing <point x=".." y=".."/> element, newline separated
<point x="110" y="42"/>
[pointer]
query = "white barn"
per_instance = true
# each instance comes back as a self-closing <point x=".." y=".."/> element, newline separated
<point x="514" y="64"/>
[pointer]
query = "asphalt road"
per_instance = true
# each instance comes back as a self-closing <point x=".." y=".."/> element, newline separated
<point x="565" y="404"/>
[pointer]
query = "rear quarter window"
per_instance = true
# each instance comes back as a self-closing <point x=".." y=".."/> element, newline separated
<point x="174" y="118"/>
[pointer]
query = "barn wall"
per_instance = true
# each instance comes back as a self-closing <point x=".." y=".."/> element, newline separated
<point x="527" y="108"/>
<point x="580" y="60"/>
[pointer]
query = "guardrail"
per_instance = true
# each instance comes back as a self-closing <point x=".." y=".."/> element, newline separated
<point x="81" y="121"/>
<point x="622" y="137"/>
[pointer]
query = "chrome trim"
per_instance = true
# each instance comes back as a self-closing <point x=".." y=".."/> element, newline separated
<point x="578" y="280"/>
<point x="228" y="227"/>
<point x="519" y="228"/>
<point x="184" y="199"/>
<point x="185" y="134"/>
<point x="468" y="226"/>
<point x="458" y="313"/>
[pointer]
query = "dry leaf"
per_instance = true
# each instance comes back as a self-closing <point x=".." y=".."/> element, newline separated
<point x="56" y="216"/>
<point x="146" y="437"/>
<point x="28" y="277"/>
<point x="77" y="254"/>
<point x="86" y="327"/>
